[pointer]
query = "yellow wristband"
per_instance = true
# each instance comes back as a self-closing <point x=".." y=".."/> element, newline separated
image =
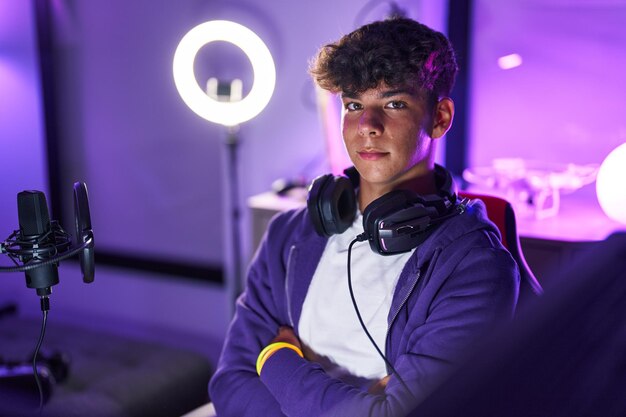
<point x="270" y="349"/>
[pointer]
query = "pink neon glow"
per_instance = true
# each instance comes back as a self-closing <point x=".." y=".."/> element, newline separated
<point x="509" y="61"/>
<point x="329" y="107"/>
<point x="430" y="68"/>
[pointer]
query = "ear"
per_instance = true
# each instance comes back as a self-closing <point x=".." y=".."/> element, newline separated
<point x="443" y="113"/>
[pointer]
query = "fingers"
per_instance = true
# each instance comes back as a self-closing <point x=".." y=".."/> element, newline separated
<point x="379" y="387"/>
<point x="286" y="334"/>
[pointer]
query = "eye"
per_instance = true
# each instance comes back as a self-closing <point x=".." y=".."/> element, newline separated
<point x="352" y="106"/>
<point x="396" y="104"/>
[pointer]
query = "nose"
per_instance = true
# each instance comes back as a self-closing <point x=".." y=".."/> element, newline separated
<point x="370" y="123"/>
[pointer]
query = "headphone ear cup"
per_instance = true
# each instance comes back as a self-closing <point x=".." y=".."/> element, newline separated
<point x="312" y="202"/>
<point x="398" y="221"/>
<point x="446" y="185"/>
<point x="376" y="211"/>
<point x="331" y="204"/>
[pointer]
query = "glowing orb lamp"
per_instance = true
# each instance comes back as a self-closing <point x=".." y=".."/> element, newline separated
<point x="610" y="188"/>
<point x="224" y="113"/>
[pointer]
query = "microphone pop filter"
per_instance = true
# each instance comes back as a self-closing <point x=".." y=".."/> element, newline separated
<point x="84" y="232"/>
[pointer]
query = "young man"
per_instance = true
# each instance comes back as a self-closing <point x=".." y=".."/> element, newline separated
<point x="295" y="346"/>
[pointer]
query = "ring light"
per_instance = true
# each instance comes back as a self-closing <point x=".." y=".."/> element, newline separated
<point x="224" y="113"/>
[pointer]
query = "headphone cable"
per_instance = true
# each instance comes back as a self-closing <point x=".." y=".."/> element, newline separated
<point x="360" y="238"/>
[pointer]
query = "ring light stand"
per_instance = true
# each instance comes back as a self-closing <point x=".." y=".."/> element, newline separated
<point x="223" y="104"/>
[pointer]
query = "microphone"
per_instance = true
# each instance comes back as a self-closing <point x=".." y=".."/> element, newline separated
<point x="37" y="240"/>
<point x="40" y="243"/>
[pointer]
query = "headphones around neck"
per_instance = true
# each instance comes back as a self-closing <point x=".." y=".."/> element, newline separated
<point x="394" y="223"/>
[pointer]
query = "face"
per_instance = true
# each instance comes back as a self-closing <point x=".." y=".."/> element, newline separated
<point x="389" y="134"/>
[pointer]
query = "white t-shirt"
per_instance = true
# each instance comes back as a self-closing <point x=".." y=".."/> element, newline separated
<point x="329" y="325"/>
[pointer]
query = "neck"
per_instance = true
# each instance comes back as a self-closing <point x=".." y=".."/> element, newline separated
<point x="422" y="184"/>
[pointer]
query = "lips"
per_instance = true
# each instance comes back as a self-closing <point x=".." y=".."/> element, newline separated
<point x="372" y="155"/>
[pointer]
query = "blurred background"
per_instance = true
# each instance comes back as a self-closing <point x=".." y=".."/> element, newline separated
<point x="87" y="94"/>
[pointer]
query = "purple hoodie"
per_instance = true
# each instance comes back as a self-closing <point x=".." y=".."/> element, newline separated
<point x="454" y="287"/>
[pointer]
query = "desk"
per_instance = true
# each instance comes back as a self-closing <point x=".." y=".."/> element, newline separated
<point x="548" y="244"/>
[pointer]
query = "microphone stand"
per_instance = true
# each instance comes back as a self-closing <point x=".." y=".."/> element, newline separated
<point x="39" y="245"/>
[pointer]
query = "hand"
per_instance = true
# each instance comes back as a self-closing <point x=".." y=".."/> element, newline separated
<point x="286" y="334"/>
<point x="379" y="387"/>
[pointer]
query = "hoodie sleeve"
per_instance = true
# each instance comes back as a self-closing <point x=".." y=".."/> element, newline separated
<point x="466" y="300"/>
<point x="235" y="389"/>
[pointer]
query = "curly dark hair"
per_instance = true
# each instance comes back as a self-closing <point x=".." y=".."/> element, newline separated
<point x="397" y="51"/>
